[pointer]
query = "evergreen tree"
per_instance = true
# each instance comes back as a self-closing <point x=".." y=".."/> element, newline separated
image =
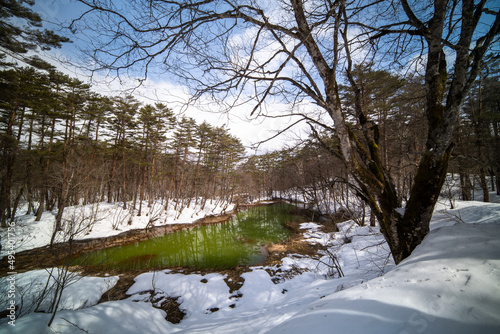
<point x="21" y="31"/>
<point x="122" y="122"/>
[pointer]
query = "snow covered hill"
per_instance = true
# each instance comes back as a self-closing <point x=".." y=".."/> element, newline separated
<point x="450" y="284"/>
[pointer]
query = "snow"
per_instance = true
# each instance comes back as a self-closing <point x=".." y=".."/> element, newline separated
<point x="451" y="283"/>
<point x="111" y="318"/>
<point x="198" y="294"/>
<point x="314" y="234"/>
<point x="80" y="292"/>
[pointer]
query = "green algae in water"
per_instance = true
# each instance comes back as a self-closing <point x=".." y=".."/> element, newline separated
<point x="237" y="242"/>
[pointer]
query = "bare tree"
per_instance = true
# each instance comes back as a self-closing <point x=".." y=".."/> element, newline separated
<point x="247" y="52"/>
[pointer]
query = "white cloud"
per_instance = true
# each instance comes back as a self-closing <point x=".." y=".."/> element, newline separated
<point x="250" y="130"/>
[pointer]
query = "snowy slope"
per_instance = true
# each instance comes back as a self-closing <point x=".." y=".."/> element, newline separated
<point x="450" y="284"/>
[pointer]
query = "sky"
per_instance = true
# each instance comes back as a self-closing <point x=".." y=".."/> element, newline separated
<point x="159" y="89"/>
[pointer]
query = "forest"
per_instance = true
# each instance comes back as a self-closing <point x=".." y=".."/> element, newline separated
<point x="388" y="102"/>
<point x="64" y="144"/>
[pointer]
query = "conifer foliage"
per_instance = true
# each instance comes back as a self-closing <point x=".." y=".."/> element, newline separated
<point x="63" y="145"/>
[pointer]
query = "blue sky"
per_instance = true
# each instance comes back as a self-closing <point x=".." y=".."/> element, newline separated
<point x="159" y="85"/>
<point x="57" y="12"/>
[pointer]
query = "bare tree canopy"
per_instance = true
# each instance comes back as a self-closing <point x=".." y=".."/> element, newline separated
<point x="296" y="51"/>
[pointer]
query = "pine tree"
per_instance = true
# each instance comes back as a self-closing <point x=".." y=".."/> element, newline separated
<point x="95" y="115"/>
<point x="183" y="141"/>
<point x="19" y="86"/>
<point x="122" y="122"/>
<point x="21" y="31"/>
<point x="74" y="97"/>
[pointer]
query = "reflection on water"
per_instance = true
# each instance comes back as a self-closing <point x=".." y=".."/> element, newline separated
<point x="237" y="242"/>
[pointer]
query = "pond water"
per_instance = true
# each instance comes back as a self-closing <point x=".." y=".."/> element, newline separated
<point x="240" y="241"/>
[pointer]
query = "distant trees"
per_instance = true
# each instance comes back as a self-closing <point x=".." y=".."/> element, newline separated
<point x="394" y="106"/>
<point x="64" y="145"/>
<point x="476" y="156"/>
<point x="315" y="169"/>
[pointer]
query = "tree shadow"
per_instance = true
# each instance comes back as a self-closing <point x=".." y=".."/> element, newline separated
<point x="374" y="317"/>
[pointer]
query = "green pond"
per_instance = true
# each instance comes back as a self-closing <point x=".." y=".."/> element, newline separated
<point x="240" y="241"/>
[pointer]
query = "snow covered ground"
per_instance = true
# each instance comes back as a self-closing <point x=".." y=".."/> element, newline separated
<point x="450" y="284"/>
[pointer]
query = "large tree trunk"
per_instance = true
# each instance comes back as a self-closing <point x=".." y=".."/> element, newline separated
<point x="423" y="197"/>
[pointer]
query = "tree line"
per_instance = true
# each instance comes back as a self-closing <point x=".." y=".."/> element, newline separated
<point x="314" y="169"/>
<point x="64" y="145"/>
<point x="477" y="156"/>
<point x="295" y="51"/>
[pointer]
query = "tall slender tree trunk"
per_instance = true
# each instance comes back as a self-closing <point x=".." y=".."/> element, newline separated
<point x="111" y="177"/>
<point x="124" y="176"/>
<point x="465" y="186"/>
<point x="90" y="189"/>
<point x="44" y="193"/>
<point x="142" y="179"/>
<point x="180" y="192"/>
<point x="497" y="179"/>
<point x="66" y="179"/>
<point x="484" y="185"/>
<point x="196" y="184"/>
<point x="171" y="186"/>
<point x="29" y="165"/>
<point x="152" y="173"/>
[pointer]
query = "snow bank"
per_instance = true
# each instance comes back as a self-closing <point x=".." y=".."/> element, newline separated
<point x="450" y="284"/>
<point x="37" y="287"/>
<point x="110" y="318"/>
<point x="102" y="220"/>
<point x="199" y="294"/>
